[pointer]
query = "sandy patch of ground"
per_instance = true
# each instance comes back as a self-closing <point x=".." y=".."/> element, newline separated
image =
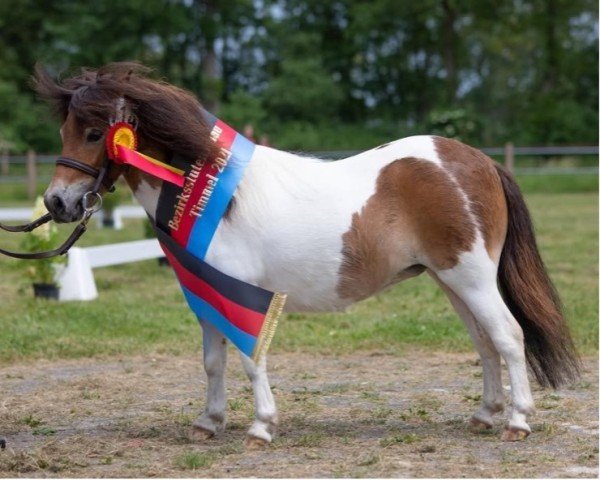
<point x="361" y="415"/>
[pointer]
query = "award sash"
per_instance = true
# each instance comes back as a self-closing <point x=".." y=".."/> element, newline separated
<point x="193" y="199"/>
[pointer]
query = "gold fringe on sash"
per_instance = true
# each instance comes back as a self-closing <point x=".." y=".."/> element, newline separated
<point x="268" y="329"/>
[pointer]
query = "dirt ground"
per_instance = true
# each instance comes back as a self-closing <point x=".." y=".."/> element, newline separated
<point x="361" y="415"/>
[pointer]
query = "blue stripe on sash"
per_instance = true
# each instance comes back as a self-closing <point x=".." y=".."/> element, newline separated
<point x="210" y="118"/>
<point x="205" y="227"/>
<point x="242" y="340"/>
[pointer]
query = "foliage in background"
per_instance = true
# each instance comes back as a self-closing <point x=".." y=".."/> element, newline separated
<point x="312" y="74"/>
<point x="457" y="123"/>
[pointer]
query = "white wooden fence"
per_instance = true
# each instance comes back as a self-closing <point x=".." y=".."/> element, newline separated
<point x="76" y="280"/>
<point x="121" y="212"/>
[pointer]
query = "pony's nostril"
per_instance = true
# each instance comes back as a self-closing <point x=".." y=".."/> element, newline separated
<point x="58" y="205"/>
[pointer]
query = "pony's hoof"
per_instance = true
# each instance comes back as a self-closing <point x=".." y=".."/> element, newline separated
<point x="199" y="434"/>
<point x="477" y="425"/>
<point x="512" y="434"/>
<point x="255" y="443"/>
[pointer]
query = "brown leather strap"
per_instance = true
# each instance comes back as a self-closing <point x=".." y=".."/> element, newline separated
<point x="85" y="168"/>
<point x="68" y="243"/>
<point x="28" y="227"/>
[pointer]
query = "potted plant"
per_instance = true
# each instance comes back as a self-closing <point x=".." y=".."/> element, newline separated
<point x="43" y="272"/>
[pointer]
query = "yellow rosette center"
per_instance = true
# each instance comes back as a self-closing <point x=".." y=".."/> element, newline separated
<point x="124" y="136"/>
<point x="120" y="134"/>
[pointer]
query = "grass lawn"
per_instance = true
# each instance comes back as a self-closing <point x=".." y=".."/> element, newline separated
<point x="141" y="309"/>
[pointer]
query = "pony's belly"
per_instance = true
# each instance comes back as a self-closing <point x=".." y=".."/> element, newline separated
<point x="296" y="303"/>
<point x="320" y="296"/>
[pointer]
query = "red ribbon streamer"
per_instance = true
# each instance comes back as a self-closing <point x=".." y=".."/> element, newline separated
<point x="136" y="160"/>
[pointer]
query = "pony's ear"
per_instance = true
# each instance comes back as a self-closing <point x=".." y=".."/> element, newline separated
<point x="52" y="92"/>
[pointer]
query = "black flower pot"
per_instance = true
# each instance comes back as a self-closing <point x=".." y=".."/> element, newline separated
<point x="45" y="290"/>
<point x="108" y="222"/>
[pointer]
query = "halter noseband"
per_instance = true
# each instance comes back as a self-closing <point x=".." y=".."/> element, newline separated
<point x="85" y="168"/>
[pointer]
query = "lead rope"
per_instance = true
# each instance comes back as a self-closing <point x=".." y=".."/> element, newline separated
<point x="27" y="227"/>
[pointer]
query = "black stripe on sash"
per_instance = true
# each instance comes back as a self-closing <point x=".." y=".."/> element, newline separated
<point x="242" y="293"/>
<point x="168" y="194"/>
<point x="167" y="199"/>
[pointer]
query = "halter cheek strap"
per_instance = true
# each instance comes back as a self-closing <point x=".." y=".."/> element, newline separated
<point x="94" y="172"/>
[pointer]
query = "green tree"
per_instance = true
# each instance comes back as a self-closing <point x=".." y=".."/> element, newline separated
<point x="303" y="90"/>
<point x="519" y="70"/>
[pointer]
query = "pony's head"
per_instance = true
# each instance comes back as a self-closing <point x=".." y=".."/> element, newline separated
<point x="168" y="121"/>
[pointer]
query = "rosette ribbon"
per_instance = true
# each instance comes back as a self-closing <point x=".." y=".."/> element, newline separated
<point x="121" y="145"/>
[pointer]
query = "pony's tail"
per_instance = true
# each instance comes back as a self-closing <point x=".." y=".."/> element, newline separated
<point x="531" y="296"/>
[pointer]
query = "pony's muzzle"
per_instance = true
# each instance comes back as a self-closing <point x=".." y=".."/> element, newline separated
<point x="65" y="204"/>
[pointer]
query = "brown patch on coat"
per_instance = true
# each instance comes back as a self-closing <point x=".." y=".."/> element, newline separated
<point x="230" y="208"/>
<point x="416" y="217"/>
<point x="476" y="174"/>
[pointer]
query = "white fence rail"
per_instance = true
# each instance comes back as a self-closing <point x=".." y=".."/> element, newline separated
<point x="120" y="212"/>
<point x="77" y="279"/>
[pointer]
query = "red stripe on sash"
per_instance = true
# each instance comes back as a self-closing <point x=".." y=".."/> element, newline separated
<point x="243" y="318"/>
<point x="182" y="233"/>
<point x="208" y="170"/>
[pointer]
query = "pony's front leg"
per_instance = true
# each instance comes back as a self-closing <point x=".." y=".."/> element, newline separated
<point x="262" y="430"/>
<point x="212" y="420"/>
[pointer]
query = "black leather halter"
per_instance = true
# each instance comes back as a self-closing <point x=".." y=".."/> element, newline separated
<point x="92" y="201"/>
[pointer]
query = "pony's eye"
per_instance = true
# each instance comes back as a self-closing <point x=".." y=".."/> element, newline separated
<point x="93" y="136"/>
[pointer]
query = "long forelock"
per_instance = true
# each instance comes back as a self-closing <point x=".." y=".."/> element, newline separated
<point x="166" y="114"/>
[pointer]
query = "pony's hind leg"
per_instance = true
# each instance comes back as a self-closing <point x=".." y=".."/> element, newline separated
<point x="212" y="419"/>
<point x="262" y="430"/>
<point x="493" y="394"/>
<point x="473" y="280"/>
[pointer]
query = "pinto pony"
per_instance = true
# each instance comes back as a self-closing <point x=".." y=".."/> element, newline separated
<point x="332" y="233"/>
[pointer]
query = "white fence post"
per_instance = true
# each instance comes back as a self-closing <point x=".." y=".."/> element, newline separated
<point x="117" y="218"/>
<point x="77" y="280"/>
